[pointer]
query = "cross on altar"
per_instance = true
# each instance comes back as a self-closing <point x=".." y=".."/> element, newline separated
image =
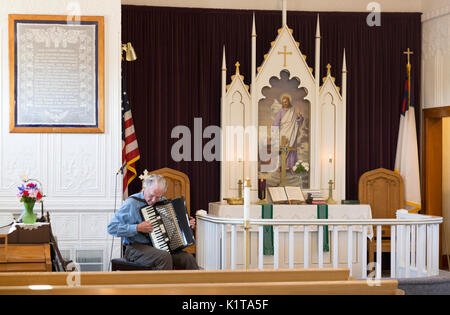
<point x="284" y="150"/>
<point x="285" y="53"/>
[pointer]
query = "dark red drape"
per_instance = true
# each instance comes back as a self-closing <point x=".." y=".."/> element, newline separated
<point x="177" y="78"/>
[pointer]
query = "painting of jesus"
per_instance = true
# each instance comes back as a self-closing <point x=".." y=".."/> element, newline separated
<point x="285" y="114"/>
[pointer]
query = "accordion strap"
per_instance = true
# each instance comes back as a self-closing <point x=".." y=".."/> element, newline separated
<point x="138" y="199"/>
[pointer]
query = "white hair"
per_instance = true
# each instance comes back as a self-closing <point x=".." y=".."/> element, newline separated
<point x="155" y="178"/>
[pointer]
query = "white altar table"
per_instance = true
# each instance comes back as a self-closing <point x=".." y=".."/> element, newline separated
<point x="281" y="211"/>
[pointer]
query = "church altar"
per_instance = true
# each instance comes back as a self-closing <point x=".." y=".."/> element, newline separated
<point x="287" y="113"/>
<point x="292" y="212"/>
<point x="287" y="103"/>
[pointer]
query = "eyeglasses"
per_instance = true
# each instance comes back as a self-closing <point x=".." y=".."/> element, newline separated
<point x="156" y="198"/>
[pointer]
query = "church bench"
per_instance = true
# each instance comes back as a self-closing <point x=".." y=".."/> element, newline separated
<point x="176" y="276"/>
<point x="344" y="287"/>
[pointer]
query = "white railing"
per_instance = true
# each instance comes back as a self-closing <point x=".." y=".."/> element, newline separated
<point x="414" y="244"/>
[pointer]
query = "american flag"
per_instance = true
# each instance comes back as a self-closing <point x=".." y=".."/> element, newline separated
<point x="130" y="149"/>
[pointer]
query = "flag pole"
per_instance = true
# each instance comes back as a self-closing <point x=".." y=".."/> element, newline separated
<point x="408" y="71"/>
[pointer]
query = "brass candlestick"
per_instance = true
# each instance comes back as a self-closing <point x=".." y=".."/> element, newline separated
<point x="330" y="200"/>
<point x="240" y="189"/>
<point x="239" y="200"/>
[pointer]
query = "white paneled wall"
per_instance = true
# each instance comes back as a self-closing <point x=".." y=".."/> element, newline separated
<point x="77" y="171"/>
<point x="436" y="57"/>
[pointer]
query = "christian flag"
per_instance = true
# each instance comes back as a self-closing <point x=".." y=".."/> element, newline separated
<point x="407" y="157"/>
<point x="130" y="149"/>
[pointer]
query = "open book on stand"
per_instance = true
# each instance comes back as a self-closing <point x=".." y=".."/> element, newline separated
<point x="286" y="195"/>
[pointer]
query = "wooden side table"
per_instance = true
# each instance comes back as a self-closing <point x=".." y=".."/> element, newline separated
<point x="3" y="248"/>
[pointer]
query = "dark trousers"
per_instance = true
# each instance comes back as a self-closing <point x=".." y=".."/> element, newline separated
<point x="158" y="259"/>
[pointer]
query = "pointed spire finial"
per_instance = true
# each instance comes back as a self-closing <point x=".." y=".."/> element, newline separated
<point x="284" y="12"/>
<point x="224" y="62"/>
<point x="237" y="67"/>
<point x="318" y="27"/>
<point x="344" y="63"/>
<point x="254" y="26"/>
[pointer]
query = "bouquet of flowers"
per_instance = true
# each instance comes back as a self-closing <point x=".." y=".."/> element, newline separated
<point x="301" y="167"/>
<point x="29" y="192"/>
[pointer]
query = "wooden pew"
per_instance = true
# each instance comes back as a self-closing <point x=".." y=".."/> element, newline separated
<point x="199" y="282"/>
<point x="175" y="276"/>
<point x="345" y="287"/>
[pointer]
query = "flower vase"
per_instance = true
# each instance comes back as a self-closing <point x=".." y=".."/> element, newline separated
<point x="29" y="217"/>
<point x="301" y="181"/>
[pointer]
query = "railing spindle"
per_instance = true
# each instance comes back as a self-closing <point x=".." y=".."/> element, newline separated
<point x="233" y="247"/>
<point x="393" y="253"/>
<point x="407" y="251"/>
<point x="429" y="250"/>
<point x="364" y="252"/>
<point x="413" y="246"/>
<point x="320" y="245"/>
<point x="261" y="247"/>
<point x="421" y="250"/>
<point x="224" y="246"/>
<point x="291" y="246"/>
<point x="379" y="252"/>
<point x="335" y="246"/>
<point x="305" y="246"/>
<point x="276" y="242"/>
<point x="350" y="248"/>
<point x="436" y="249"/>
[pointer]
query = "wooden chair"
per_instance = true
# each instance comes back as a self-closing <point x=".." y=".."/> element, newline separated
<point x="178" y="185"/>
<point x="384" y="191"/>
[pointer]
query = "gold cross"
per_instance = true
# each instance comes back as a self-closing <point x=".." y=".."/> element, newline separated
<point x="237" y="67"/>
<point x="408" y="69"/>
<point x="408" y="52"/>
<point x="329" y="69"/>
<point x="285" y="53"/>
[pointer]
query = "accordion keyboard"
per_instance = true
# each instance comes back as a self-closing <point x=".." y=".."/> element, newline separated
<point x="158" y="237"/>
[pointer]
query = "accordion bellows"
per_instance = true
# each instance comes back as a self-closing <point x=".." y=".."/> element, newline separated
<point x="171" y="224"/>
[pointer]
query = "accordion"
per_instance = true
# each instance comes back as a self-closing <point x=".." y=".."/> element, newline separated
<point x="171" y="224"/>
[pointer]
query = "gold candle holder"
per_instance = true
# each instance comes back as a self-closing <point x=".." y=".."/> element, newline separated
<point x="240" y="189"/>
<point x="330" y="200"/>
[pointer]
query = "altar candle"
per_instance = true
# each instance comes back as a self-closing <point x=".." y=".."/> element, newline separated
<point x="262" y="189"/>
<point x="330" y="169"/>
<point x="247" y="196"/>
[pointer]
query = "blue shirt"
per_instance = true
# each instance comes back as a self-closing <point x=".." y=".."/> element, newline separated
<point x="125" y="221"/>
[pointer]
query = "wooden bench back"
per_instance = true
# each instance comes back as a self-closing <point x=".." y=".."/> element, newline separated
<point x="353" y="287"/>
<point x="172" y="277"/>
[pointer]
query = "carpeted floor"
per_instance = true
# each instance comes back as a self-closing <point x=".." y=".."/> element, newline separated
<point x="437" y="285"/>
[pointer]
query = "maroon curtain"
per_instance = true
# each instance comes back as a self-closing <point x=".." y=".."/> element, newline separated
<point x="177" y="78"/>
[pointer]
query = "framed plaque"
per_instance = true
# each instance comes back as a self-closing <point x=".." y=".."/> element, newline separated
<point x="56" y="74"/>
